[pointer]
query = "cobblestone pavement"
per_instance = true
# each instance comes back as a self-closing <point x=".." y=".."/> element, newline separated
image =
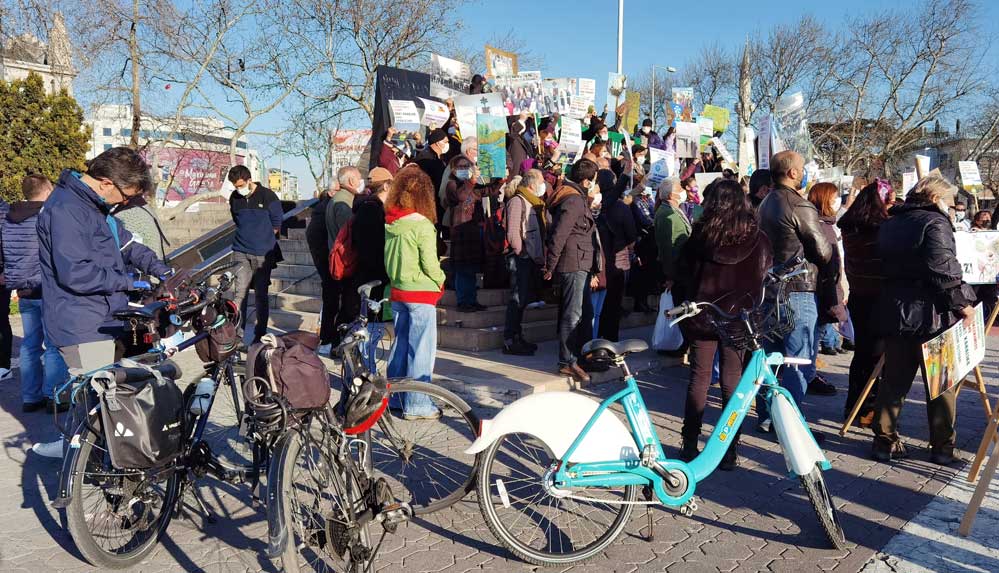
<point x="752" y="519"/>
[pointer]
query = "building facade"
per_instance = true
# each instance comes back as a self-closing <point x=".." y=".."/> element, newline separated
<point x="21" y="55"/>
<point x="283" y="183"/>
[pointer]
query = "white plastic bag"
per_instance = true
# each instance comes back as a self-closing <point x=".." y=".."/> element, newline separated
<point x="666" y="337"/>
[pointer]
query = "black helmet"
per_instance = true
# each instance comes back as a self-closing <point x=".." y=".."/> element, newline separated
<point x="367" y="402"/>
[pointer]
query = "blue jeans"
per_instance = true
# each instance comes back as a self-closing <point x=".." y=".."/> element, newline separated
<point x="575" y="316"/>
<point x="413" y="353"/>
<point x="799" y="343"/>
<point x="597" y="299"/>
<point x="828" y="337"/>
<point x="465" y="286"/>
<point x="42" y="369"/>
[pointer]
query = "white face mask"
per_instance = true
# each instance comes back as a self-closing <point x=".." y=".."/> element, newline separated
<point x="836" y="204"/>
<point x="360" y="186"/>
<point x="959" y="215"/>
<point x="646" y="130"/>
<point x="540" y="191"/>
<point x="445" y="149"/>
<point x="244" y="191"/>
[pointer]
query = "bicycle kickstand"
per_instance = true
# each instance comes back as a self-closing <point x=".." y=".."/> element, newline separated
<point x="651" y="532"/>
<point x="190" y="488"/>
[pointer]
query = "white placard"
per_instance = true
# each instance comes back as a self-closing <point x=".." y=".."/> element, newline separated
<point x="588" y="89"/>
<point x="435" y="113"/>
<point x="971" y="179"/>
<point x="705" y="179"/>
<point x="706" y="125"/>
<point x="909" y="179"/>
<point x="486" y="104"/>
<point x="403" y="112"/>
<point x="572" y="136"/>
<point x="466" y="120"/>
<point x="579" y="107"/>
<point x="662" y="165"/>
<point x="978" y="254"/>
<point x="763" y="158"/>
<point x="688" y="138"/>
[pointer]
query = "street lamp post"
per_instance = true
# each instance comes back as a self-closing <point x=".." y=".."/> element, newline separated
<point x="669" y="70"/>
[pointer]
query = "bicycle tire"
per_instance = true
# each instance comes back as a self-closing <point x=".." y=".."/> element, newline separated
<point x="80" y="527"/>
<point x="222" y="429"/>
<point x="514" y="542"/>
<point x="400" y="453"/>
<point x="287" y="454"/>
<point x="822" y="502"/>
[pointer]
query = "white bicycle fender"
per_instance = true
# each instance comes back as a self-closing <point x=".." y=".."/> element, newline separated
<point x="800" y="450"/>
<point x="557" y="418"/>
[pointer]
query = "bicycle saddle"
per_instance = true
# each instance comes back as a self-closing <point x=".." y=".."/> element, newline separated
<point x="365" y="289"/>
<point x="147" y="312"/>
<point x="605" y="349"/>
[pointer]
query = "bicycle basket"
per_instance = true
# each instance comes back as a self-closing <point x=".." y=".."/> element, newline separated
<point x="772" y="319"/>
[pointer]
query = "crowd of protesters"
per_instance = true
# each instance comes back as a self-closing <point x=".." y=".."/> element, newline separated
<point x="882" y="273"/>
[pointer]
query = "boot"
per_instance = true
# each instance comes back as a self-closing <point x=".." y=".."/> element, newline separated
<point x="689" y="449"/>
<point x="884" y="450"/>
<point x="731" y="459"/>
<point x="531" y="345"/>
<point x="943" y="456"/>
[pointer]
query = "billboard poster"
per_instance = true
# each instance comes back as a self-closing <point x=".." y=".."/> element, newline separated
<point x="181" y="172"/>
<point x="448" y="78"/>
<point x="978" y="254"/>
<point x="349" y="146"/>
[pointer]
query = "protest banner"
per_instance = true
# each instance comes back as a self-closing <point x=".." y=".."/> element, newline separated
<point x="763" y="145"/>
<point x="719" y="115"/>
<point x="978" y="254"/>
<point x="705" y="179"/>
<point x="747" y="151"/>
<point x="491" y="134"/>
<point x="791" y="118"/>
<point x="488" y="104"/>
<point x="617" y="85"/>
<point x="448" y="78"/>
<point x="521" y="93"/>
<point x="634" y="100"/>
<point x="404" y="112"/>
<point x="953" y="354"/>
<point x="435" y="113"/>
<point x="348" y="147"/>
<point x="558" y="94"/>
<point x="393" y="84"/>
<point x="922" y="166"/>
<point x="588" y="89"/>
<point x="705" y="126"/>
<point x="466" y="120"/>
<point x="684" y="98"/>
<point x="499" y="63"/>
<point x="615" y="143"/>
<point x="572" y="136"/>
<point x="662" y="165"/>
<point x="722" y="150"/>
<point x="971" y="179"/>
<point x="909" y="180"/>
<point x="579" y="107"/>
<point x="688" y="138"/>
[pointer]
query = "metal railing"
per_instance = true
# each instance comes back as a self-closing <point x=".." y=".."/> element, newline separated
<point x="214" y="248"/>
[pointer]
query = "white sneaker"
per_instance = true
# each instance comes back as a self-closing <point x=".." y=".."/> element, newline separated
<point x="5" y="373"/>
<point x="48" y="449"/>
<point x="324" y="350"/>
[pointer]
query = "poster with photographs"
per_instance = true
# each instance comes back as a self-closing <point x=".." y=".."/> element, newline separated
<point x="688" y="139"/>
<point x="448" y="78"/>
<point x="682" y="108"/>
<point x="558" y="94"/>
<point x="952" y="355"/>
<point x="522" y="93"/>
<point x="499" y="63"/>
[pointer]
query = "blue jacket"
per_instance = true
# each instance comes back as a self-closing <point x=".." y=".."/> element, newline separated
<point x="256" y="216"/>
<point x="84" y="253"/>
<point x="21" y="269"/>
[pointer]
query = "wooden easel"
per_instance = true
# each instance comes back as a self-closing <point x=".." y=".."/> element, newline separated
<point x="978" y="384"/>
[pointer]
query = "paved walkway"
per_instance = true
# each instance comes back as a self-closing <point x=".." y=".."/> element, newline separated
<point x="753" y="519"/>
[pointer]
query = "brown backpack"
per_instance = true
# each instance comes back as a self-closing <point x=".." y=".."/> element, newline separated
<point x="292" y="367"/>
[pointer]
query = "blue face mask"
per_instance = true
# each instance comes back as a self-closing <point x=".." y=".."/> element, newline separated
<point x="461" y="174"/>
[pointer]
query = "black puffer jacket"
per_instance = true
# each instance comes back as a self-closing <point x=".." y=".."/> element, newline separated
<point x="923" y="287"/>
<point x="573" y="243"/>
<point x="792" y="224"/>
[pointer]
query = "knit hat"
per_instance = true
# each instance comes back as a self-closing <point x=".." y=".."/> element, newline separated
<point x="379" y="175"/>
<point x="436" y="135"/>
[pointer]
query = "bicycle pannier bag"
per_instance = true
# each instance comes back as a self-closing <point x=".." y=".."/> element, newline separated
<point x="222" y="340"/>
<point x="292" y="367"/>
<point x="142" y="417"/>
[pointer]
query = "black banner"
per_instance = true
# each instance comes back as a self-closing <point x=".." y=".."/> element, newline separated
<point x="398" y="84"/>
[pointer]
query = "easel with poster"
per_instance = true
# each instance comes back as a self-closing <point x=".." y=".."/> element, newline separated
<point x="990" y="469"/>
<point x="946" y="364"/>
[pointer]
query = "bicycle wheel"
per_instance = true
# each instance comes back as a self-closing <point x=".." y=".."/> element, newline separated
<point x="542" y="526"/>
<point x="822" y="502"/>
<point x="380" y="349"/>
<point x="424" y="460"/>
<point x="115" y="517"/>
<point x="321" y="500"/>
<point x="222" y="429"/>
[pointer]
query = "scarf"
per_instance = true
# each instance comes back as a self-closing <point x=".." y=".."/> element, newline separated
<point x="538" y="204"/>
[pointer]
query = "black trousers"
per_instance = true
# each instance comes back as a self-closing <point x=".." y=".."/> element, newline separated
<point x="330" y="295"/>
<point x="903" y="357"/>
<point x="702" y="360"/>
<point x="6" y="336"/>
<point x="610" y="315"/>
<point x="870" y="347"/>
<point x="522" y="271"/>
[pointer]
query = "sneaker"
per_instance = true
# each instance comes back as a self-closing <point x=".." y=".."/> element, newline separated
<point x="435" y="415"/>
<point x="48" y="449"/>
<point x="28" y="407"/>
<point x="517" y="348"/>
<point x="5" y="373"/>
<point x="819" y="387"/>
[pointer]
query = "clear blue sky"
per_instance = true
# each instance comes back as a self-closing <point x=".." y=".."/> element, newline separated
<point x="578" y="38"/>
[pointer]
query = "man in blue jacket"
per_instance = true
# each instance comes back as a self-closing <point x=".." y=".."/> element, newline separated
<point x="23" y="274"/>
<point x="257" y="212"/>
<point x="84" y="253"/>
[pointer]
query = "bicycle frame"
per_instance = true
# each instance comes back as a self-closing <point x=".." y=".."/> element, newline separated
<point x="758" y="376"/>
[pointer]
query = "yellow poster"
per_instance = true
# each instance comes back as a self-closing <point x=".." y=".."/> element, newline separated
<point x="631" y="120"/>
<point x="719" y="115"/>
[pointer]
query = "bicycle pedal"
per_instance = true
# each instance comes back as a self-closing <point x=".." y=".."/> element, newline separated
<point x="688" y="509"/>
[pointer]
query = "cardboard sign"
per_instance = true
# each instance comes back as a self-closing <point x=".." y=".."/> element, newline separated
<point x="971" y="179"/>
<point x="978" y="254"/>
<point x="952" y="355"/>
<point x="404" y="112"/>
<point x="634" y="107"/>
<point x="688" y="139"/>
<point x="488" y="104"/>
<point x="572" y="136"/>
<point x="435" y="113"/>
<point x="719" y="115"/>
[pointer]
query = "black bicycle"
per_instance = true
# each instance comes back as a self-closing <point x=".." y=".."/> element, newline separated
<point x="116" y="515"/>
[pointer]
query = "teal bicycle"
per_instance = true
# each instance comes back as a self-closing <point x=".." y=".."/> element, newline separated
<point x="561" y="474"/>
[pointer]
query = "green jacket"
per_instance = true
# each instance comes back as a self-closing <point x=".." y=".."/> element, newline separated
<point x="411" y="260"/>
<point x="672" y="231"/>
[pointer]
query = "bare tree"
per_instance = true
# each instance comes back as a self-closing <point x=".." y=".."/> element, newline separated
<point x="509" y="41"/>
<point x="661" y="91"/>
<point x="791" y="57"/>
<point x="713" y="73"/>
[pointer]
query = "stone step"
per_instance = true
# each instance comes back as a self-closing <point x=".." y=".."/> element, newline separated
<point x="298" y="234"/>
<point x="294" y="245"/>
<point x="309" y="287"/>
<point x="493" y="316"/>
<point x="297" y="258"/>
<point x="296" y="302"/>
<point x="286" y="270"/>
<point x="486" y="296"/>
<point x="491" y="338"/>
